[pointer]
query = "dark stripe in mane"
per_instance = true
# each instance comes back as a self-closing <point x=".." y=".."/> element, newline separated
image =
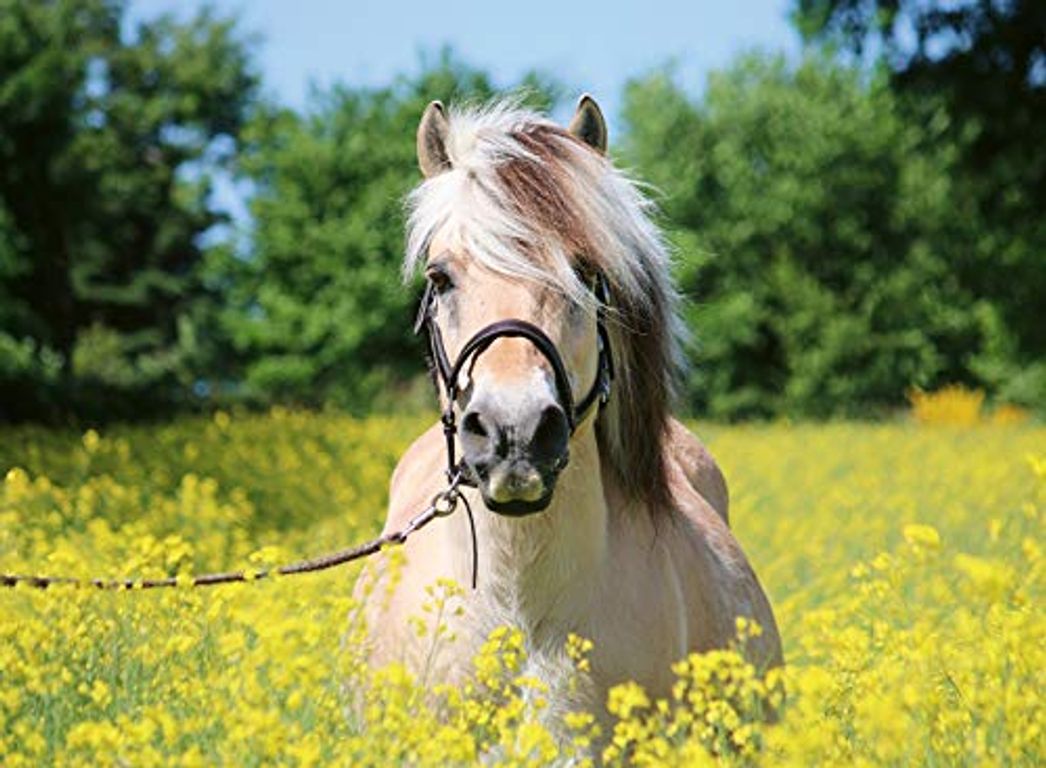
<point x="537" y="194"/>
<point x="537" y="186"/>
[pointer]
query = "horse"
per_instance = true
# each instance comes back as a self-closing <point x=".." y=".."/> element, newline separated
<point x="555" y="337"/>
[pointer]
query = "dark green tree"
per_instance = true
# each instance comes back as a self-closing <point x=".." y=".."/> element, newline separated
<point x="984" y="61"/>
<point x="108" y="145"/>
<point x="317" y="312"/>
<point x="816" y="229"/>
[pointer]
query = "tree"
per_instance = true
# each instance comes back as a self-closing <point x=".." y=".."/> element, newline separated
<point x="984" y="61"/>
<point x="107" y="148"/>
<point x="317" y="313"/>
<point x="815" y="230"/>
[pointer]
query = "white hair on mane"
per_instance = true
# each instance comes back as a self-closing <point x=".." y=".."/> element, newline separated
<point x="525" y="198"/>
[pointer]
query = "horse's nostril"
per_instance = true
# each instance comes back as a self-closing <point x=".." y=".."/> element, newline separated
<point x="473" y="424"/>
<point x="549" y="441"/>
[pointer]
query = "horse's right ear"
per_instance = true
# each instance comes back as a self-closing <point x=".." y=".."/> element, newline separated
<point x="432" y="141"/>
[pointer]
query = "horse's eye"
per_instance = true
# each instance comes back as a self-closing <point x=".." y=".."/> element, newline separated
<point x="585" y="274"/>
<point x="440" y="279"/>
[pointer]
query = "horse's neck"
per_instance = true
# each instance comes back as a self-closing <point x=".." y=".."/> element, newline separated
<point x="543" y="567"/>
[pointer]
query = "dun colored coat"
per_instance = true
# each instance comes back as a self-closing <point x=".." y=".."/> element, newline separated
<point x="618" y="531"/>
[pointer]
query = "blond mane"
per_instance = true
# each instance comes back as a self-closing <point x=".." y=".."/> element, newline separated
<point x="525" y="198"/>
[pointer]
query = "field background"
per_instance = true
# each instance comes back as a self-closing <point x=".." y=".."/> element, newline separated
<point x="904" y="562"/>
<point x="202" y="315"/>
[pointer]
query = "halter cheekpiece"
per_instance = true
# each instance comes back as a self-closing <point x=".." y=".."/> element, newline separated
<point x="449" y="372"/>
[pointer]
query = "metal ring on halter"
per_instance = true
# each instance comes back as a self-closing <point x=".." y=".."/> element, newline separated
<point x="445" y="502"/>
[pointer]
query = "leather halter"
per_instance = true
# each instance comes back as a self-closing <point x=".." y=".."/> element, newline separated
<point x="449" y="372"/>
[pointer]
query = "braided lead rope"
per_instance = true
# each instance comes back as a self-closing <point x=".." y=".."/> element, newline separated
<point x="442" y="505"/>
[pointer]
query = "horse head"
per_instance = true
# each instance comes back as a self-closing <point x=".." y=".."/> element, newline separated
<point x="523" y="362"/>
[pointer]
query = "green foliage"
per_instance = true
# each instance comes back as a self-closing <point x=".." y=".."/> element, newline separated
<point x="984" y="62"/>
<point x="815" y="231"/>
<point x="317" y="313"/>
<point x="107" y="147"/>
<point x="844" y="232"/>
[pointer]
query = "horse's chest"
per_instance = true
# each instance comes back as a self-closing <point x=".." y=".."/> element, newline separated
<point x="535" y="644"/>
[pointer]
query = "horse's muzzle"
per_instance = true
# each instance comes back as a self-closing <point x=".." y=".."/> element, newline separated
<point x="515" y="458"/>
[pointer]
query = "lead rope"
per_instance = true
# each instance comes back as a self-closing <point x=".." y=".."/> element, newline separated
<point x="442" y="505"/>
<point x="475" y="544"/>
<point x="457" y="478"/>
<point x="444" y="502"/>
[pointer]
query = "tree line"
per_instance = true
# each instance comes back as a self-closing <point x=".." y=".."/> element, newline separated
<point x="847" y="226"/>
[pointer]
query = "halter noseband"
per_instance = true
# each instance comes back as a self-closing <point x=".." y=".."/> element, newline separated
<point x="449" y="372"/>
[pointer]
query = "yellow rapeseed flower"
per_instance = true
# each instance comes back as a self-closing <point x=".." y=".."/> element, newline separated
<point x="906" y="567"/>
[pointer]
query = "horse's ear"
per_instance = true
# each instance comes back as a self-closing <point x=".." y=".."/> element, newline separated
<point x="588" y="124"/>
<point x="432" y="140"/>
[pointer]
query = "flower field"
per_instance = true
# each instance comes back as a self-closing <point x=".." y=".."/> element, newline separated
<point x="904" y="561"/>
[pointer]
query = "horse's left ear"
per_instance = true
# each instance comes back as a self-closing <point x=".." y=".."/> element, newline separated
<point x="588" y="124"/>
<point x="432" y="140"/>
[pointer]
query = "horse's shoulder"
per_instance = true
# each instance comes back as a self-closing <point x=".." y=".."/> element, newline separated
<point x="711" y="562"/>
<point x="418" y="475"/>
<point x="693" y="459"/>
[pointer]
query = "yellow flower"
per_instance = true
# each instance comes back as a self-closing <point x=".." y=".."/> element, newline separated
<point x="924" y="537"/>
<point x="896" y="654"/>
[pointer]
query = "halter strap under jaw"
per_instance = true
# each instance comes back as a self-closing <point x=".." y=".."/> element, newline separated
<point x="450" y="372"/>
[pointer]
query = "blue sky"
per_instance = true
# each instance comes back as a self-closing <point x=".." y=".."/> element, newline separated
<point x="588" y="45"/>
<point x="594" y="47"/>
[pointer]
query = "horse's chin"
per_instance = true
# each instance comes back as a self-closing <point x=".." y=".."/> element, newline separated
<point x="518" y="507"/>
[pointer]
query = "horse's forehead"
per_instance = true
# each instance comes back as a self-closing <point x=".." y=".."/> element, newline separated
<point x="444" y="244"/>
<point x="489" y="291"/>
